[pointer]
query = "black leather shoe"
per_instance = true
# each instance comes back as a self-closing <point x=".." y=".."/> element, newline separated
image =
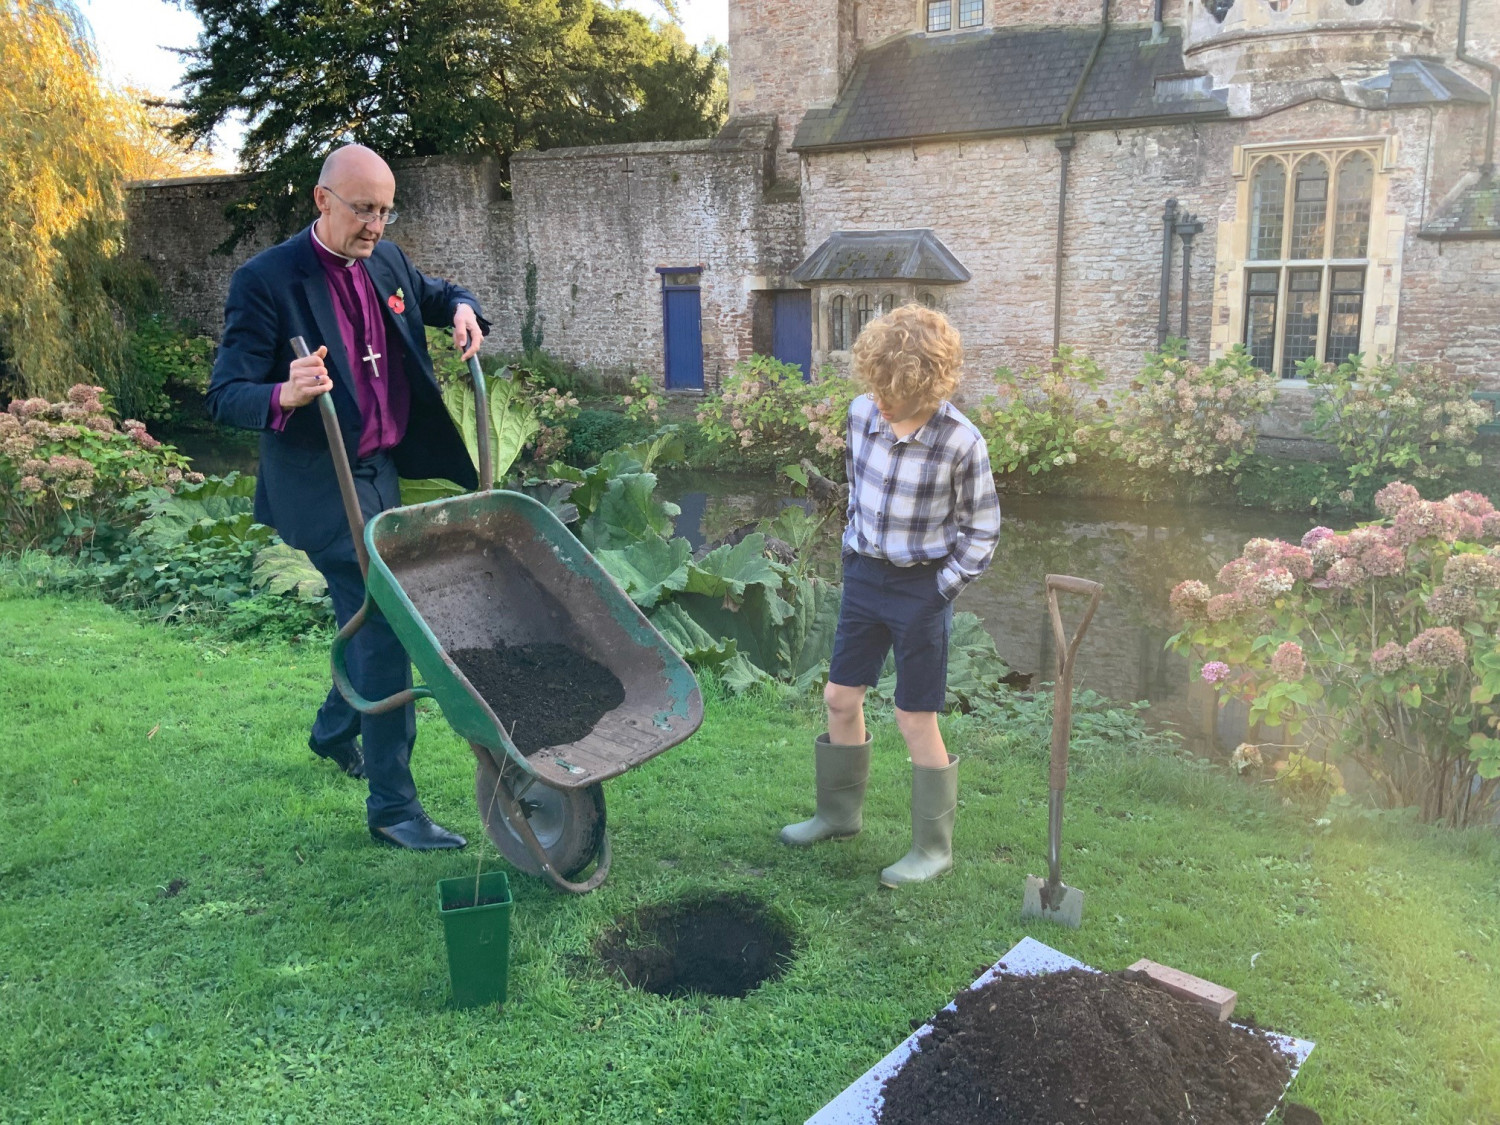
<point x="346" y="755"/>
<point x="419" y="834"/>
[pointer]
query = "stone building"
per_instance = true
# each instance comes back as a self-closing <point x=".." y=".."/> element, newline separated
<point x="1305" y="177"/>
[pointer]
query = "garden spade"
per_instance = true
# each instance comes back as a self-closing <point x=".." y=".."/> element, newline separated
<point x="1051" y="898"/>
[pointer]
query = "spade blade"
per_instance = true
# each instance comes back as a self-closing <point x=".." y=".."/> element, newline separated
<point x="1065" y="906"/>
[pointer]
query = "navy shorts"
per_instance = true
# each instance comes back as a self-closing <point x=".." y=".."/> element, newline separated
<point x="887" y="606"/>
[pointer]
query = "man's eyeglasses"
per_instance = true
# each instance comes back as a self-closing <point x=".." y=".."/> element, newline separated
<point x="384" y="217"/>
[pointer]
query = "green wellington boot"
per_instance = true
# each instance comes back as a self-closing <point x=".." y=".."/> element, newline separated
<point x="842" y="773"/>
<point x="934" y="801"/>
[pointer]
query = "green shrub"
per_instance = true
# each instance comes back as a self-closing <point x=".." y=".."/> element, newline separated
<point x="768" y="415"/>
<point x="1390" y="418"/>
<point x="163" y="364"/>
<point x="593" y="433"/>
<point x="1187" y="418"/>
<point x="1045" y="419"/>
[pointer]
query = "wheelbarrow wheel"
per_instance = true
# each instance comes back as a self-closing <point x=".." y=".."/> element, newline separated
<point x="568" y="823"/>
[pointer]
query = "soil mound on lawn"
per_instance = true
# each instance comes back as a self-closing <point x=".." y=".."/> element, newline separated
<point x="553" y="694"/>
<point x="1083" y="1048"/>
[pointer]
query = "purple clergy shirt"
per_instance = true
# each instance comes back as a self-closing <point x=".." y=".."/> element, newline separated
<point x="375" y="359"/>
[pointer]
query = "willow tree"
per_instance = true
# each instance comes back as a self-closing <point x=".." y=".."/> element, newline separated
<point x="61" y="207"/>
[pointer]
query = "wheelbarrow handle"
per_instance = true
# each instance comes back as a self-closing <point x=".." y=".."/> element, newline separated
<point x="482" y="425"/>
<point x="340" y="465"/>
<point x="346" y="686"/>
<point x="1062" y="692"/>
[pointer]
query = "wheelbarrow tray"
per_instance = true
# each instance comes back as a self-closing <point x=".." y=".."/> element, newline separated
<point x="486" y="568"/>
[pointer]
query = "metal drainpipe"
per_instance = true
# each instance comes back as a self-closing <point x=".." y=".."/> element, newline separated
<point x="1065" y="145"/>
<point x="1169" y="223"/>
<point x="1156" y="35"/>
<point x="1493" y="71"/>
<point x="1187" y="227"/>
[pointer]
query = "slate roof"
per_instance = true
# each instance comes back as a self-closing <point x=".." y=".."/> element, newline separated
<point x="882" y="255"/>
<point x="1473" y="213"/>
<point x="1419" y="81"/>
<point x="1007" y="80"/>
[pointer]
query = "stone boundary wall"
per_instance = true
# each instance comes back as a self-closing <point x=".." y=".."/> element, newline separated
<point x="453" y="224"/>
<point x="596" y="224"/>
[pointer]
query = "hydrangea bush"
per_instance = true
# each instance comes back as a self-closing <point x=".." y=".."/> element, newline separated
<point x="1187" y="418"/>
<point x="68" y="472"/>
<point x="769" y="413"/>
<point x="1387" y="418"/>
<point x="1380" y="642"/>
<point x="1043" y="420"/>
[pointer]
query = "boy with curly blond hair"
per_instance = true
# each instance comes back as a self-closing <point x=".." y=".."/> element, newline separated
<point x="923" y="523"/>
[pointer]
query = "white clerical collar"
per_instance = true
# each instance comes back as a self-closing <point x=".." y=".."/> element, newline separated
<point x="348" y="262"/>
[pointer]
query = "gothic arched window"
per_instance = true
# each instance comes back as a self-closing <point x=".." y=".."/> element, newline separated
<point x="838" y="332"/>
<point x="1267" y="209"/>
<point x="1305" y="291"/>
<point x="888" y="304"/>
<point x="1309" y="208"/>
<point x="861" y="313"/>
<point x="928" y="298"/>
<point x="1351" y="216"/>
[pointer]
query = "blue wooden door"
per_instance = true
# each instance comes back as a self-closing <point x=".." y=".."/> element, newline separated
<point x="684" y="335"/>
<point x="792" y="329"/>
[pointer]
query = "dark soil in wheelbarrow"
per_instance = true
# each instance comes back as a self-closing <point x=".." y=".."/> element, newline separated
<point x="553" y="694"/>
<point x="1084" y="1048"/>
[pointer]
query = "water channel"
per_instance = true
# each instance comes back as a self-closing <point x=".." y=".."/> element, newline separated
<point x="1138" y="551"/>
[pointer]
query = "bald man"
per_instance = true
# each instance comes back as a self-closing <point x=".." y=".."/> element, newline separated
<point x="362" y="308"/>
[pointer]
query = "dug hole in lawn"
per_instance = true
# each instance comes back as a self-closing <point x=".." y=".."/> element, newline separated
<point x="1042" y="1039"/>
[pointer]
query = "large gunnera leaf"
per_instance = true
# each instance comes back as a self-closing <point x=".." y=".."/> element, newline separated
<point x="647" y="569"/>
<point x="282" y="569"/>
<point x="513" y="422"/>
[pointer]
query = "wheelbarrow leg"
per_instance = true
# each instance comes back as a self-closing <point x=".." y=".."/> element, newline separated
<point x="580" y="810"/>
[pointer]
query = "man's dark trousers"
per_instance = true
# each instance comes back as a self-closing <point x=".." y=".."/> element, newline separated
<point x="378" y="665"/>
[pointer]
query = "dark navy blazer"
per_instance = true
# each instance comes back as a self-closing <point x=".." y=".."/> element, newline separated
<point x="281" y="293"/>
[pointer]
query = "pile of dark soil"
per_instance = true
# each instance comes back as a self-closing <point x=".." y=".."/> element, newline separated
<point x="552" y="693"/>
<point x="1084" y="1048"/>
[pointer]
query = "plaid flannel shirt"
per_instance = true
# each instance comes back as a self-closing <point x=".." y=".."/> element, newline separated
<point x="924" y="498"/>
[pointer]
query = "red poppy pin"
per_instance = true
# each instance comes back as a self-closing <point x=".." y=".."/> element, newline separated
<point x="397" y="302"/>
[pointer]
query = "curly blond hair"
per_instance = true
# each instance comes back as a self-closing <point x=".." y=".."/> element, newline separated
<point x="911" y="354"/>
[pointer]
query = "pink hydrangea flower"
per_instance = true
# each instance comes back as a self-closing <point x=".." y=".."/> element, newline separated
<point x="1346" y="574"/>
<point x="1452" y="603"/>
<point x="1439" y="647"/>
<point x="1214" y="671"/>
<point x="1221" y="607"/>
<point x="1395" y="496"/>
<point x="1289" y="664"/>
<point x="1388" y="659"/>
<point x="1189" y="600"/>
<point x="1473" y="572"/>
<point x="1474" y="503"/>
<point x="1316" y="536"/>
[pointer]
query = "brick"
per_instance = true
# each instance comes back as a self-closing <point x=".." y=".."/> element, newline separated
<point x="1217" y="999"/>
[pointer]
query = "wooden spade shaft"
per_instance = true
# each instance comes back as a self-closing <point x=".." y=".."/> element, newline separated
<point x="1062" y="712"/>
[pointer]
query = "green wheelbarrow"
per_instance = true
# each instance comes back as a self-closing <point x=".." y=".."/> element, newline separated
<point x="492" y="567"/>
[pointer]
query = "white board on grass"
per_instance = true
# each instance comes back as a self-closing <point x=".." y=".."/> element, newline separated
<point x="862" y="1101"/>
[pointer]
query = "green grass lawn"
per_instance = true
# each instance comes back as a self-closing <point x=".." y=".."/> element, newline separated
<point x="194" y="925"/>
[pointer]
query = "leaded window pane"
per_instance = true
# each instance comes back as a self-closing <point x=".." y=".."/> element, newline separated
<point x="1300" y="339"/>
<point x="1346" y="306"/>
<point x="970" y="13"/>
<point x="1267" y="210"/>
<point x="887" y="303"/>
<point x="1351" y="221"/>
<point x="1309" y="208"/>
<point x="939" y="15"/>
<point x="1260" y="318"/>
<point x="928" y="298"/>
<point x="838" y="334"/>
<point x="861" y="313"/>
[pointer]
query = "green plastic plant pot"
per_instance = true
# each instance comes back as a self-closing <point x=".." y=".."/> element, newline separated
<point x="478" y="938"/>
